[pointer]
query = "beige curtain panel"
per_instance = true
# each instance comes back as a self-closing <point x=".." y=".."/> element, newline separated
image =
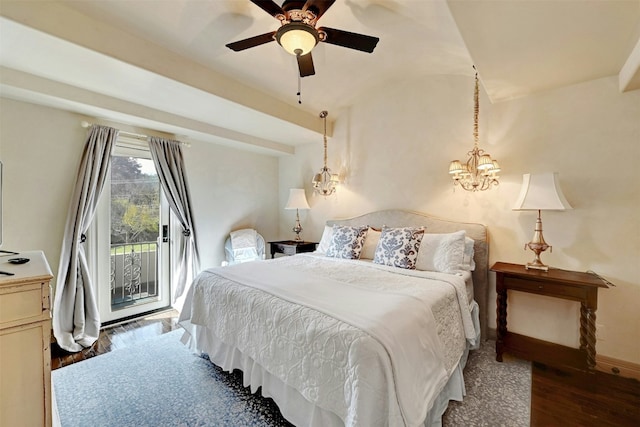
<point x="167" y="157"/>
<point x="76" y="320"/>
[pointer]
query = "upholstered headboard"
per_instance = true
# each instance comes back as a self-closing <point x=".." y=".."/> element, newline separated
<point x="478" y="232"/>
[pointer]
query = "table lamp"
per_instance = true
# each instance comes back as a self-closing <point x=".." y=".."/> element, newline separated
<point x="297" y="200"/>
<point x="540" y="192"/>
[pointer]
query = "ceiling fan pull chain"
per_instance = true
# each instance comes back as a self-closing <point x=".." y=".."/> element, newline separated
<point x="299" y="90"/>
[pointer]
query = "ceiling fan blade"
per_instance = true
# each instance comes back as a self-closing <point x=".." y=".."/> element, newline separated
<point x="269" y="6"/>
<point x="318" y="7"/>
<point x="305" y="65"/>
<point x="251" y="42"/>
<point x="350" y="40"/>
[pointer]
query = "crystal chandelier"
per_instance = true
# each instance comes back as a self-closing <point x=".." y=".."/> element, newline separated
<point x="325" y="182"/>
<point x="480" y="172"/>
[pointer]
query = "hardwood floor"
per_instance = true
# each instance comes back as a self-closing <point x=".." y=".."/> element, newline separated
<point x="565" y="397"/>
<point x="118" y="336"/>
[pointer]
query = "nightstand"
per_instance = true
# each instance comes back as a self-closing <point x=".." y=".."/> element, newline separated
<point x="570" y="285"/>
<point x="291" y="247"/>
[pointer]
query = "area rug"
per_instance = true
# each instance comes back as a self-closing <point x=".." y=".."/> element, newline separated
<point x="159" y="382"/>
<point x="498" y="393"/>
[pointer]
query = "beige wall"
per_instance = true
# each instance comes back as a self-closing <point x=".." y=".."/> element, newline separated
<point x="231" y="189"/>
<point x="393" y="148"/>
<point x="41" y="148"/>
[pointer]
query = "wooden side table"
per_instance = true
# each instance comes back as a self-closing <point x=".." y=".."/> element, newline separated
<point x="291" y="247"/>
<point x="570" y="285"/>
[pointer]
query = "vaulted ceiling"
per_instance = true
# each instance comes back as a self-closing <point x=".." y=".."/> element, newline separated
<point x="163" y="64"/>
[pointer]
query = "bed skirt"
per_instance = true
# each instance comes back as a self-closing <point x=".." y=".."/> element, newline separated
<point x="293" y="406"/>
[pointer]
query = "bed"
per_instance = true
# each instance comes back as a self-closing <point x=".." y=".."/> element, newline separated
<point x="357" y="342"/>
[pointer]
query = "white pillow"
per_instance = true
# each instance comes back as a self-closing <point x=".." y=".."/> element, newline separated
<point x="468" y="264"/>
<point x="370" y="244"/>
<point x="398" y="247"/>
<point x="347" y="242"/>
<point x="325" y="241"/>
<point x="441" y="252"/>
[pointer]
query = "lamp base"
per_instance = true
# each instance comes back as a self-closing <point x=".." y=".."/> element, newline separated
<point x="537" y="249"/>
<point x="297" y="228"/>
<point x="537" y="245"/>
<point x="534" y="266"/>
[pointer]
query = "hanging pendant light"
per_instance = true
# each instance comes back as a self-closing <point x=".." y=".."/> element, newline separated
<point x="480" y="172"/>
<point x="325" y="182"/>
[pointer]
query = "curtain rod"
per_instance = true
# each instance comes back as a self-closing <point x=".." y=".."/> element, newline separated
<point x="139" y="136"/>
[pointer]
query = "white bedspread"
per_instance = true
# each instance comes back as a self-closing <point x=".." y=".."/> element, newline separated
<point x="372" y="344"/>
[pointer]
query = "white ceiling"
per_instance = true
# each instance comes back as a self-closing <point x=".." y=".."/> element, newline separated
<point x="162" y="65"/>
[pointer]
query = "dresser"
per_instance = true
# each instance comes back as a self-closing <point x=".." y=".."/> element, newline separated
<point x="25" y="329"/>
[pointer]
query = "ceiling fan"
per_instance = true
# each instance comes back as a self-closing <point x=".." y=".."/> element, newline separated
<point x="298" y="34"/>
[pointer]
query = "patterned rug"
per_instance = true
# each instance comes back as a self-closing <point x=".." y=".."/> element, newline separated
<point x="498" y="394"/>
<point x="159" y="382"/>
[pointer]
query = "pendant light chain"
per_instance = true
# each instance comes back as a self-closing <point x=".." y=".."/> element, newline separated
<point x="324" y="114"/>
<point x="476" y="112"/>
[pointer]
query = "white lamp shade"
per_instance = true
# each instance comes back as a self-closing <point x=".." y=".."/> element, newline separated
<point x="541" y="192"/>
<point x="297" y="199"/>
<point x="485" y="162"/>
<point x="455" y="167"/>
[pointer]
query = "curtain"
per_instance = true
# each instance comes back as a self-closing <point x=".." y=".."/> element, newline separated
<point x="167" y="157"/>
<point x="76" y="320"/>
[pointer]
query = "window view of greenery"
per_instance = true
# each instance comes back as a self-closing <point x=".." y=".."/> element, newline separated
<point x="135" y="202"/>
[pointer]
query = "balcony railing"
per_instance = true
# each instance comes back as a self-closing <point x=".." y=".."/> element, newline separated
<point x="134" y="274"/>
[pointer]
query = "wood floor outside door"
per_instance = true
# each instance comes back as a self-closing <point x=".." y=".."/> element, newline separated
<point x="118" y="336"/>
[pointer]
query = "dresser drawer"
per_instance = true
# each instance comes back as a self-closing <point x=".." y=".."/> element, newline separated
<point x="288" y="250"/>
<point x="22" y="304"/>
<point x="545" y="288"/>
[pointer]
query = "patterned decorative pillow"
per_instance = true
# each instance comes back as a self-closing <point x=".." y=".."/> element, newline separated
<point x="347" y="242"/>
<point x="398" y="247"/>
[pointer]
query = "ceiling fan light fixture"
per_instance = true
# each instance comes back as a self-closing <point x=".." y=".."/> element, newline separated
<point x="297" y="38"/>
